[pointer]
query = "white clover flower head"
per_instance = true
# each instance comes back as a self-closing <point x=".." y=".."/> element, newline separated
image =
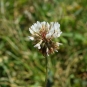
<point x="43" y="33"/>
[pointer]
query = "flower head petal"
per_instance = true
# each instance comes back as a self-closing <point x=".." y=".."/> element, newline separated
<point x="31" y="38"/>
<point x="31" y="31"/>
<point x="38" y="45"/>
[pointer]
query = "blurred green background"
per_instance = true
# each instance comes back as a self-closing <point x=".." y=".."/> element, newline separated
<point x="21" y="65"/>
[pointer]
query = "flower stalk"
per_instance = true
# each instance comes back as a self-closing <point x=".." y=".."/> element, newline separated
<point x="46" y="78"/>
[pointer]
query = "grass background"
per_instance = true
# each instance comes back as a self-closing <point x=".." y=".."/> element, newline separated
<point x="21" y="65"/>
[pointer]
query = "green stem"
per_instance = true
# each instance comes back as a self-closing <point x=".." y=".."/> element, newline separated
<point x="46" y="72"/>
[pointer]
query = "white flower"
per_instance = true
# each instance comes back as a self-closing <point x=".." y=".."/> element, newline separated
<point x="43" y="33"/>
